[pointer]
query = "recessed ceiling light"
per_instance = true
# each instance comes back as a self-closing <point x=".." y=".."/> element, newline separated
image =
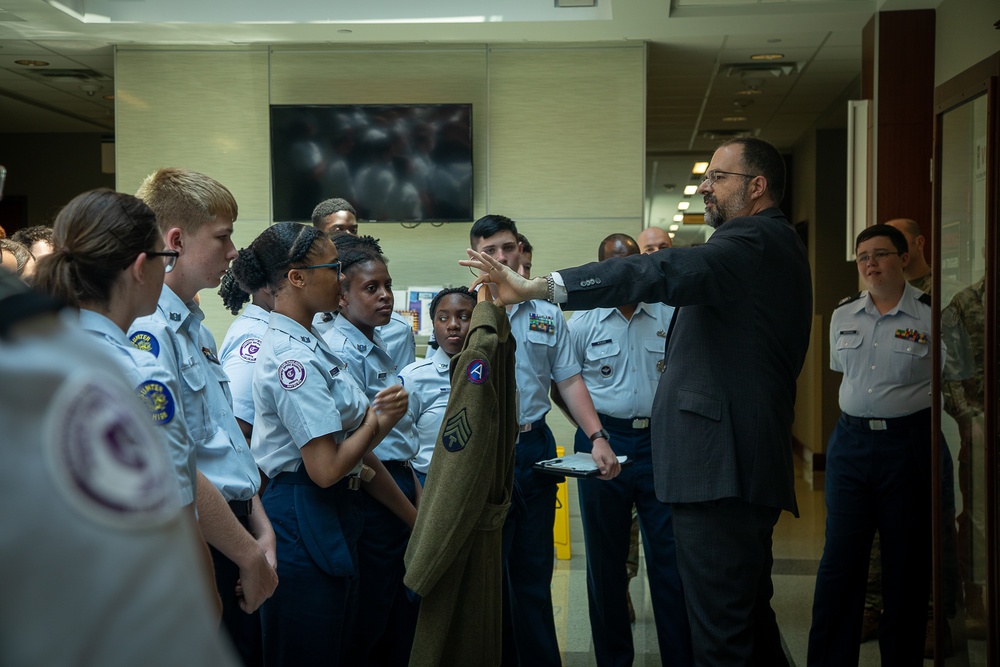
<point x="690" y="189"/>
<point x="31" y="63"/>
<point x="671" y="234"/>
<point x="683" y="206"/>
<point x="678" y="218"/>
<point x="767" y="56"/>
<point x="700" y="168"/>
<point x="734" y="119"/>
<point x="674" y="228"/>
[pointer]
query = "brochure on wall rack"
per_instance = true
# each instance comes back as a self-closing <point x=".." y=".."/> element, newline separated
<point x="575" y="465"/>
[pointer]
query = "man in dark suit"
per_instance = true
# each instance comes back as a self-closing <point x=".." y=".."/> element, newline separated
<point x="722" y="414"/>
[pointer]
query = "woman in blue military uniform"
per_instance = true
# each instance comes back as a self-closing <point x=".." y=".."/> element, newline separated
<point x="387" y="616"/>
<point x="313" y="426"/>
<point x="427" y="381"/>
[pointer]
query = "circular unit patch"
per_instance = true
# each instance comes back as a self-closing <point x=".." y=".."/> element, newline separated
<point x="249" y="349"/>
<point x="291" y="374"/>
<point x="145" y="341"/>
<point x="606" y="371"/>
<point x="477" y="371"/>
<point x="106" y="459"/>
<point x="158" y="400"/>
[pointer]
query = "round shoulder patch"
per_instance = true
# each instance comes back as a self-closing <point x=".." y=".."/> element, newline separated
<point x="158" y="400"/>
<point x="249" y="349"/>
<point x="291" y="374"/>
<point x="606" y="371"/>
<point x="107" y="461"/>
<point x="145" y="341"/>
<point x="477" y="371"/>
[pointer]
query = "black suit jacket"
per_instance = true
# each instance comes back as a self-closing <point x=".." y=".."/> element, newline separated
<point x="722" y="414"/>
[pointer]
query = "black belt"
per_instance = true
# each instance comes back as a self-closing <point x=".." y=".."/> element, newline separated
<point x="396" y="464"/>
<point x="241" y="508"/>
<point x="886" y="423"/>
<point x="302" y="477"/>
<point x="533" y="425"/>
<point x="635" y="423"/>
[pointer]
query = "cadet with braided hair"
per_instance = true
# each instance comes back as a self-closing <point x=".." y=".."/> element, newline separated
<point x="313" y="426"/>
<point x="386" y="616"/>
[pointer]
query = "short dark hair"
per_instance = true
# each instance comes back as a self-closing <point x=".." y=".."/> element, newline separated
<point x="353" y="251"/>
<point x="761" y="158"/>
<point x="491" y="224"/>
<point x="624" y="239"/>
<point x="525" y="243"/>
<point x="896" y="236"/>
<point x="461" y="291"/>
<point x="29" y="236"/>
<point x="329" y="207"/>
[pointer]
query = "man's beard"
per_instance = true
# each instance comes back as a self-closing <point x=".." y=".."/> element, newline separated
<point x="721" y="214"/>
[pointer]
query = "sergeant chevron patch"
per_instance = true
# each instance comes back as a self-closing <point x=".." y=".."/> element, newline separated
<point x="457" y="432"/>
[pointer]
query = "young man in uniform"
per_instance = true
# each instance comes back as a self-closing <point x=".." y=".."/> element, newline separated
<point x="543" y="356"/>
<point x="335" y="215"/>
<point x="878" y="473"/>
<point x="621" y="353"/>
<point x="195" y="214"/>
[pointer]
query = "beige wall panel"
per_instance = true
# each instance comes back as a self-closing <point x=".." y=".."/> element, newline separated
<point x="203" y="110"/>
<point x="567" y="132"/>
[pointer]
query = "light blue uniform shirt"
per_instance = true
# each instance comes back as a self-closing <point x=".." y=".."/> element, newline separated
<point x="238" y="354"/>
<point x="397" y="337"/>
<point x="886" y="359"/>
<point x="543" y="354"/>
<point x="158" y="390"/>
<point x="373" y="370"/>
<point x="621" y="359"/>
<point x="429" y="386"/>
<point x="301" y="391"/>
<point x="174" y="333"/>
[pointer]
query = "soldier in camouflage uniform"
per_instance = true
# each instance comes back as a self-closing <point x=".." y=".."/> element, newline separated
<point x="965" y="319"/>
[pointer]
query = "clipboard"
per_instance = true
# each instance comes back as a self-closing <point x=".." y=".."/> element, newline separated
<point x="574" y="465"/>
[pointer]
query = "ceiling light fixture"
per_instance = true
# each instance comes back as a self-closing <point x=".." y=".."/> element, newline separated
<point x="767" y="56"/>
<point x="31" y="63"/>
<point x="690" y="190"/>
<point x="683" y="206"/>
<point x="678" y="218"/>
<point x="700" y="168"/>
<point x="674" y="228"/>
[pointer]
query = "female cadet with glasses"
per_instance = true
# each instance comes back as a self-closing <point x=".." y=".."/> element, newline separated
<point x="313" y="426"/>
<point x="387" y="616"/>
<point x="109" y="263"/>
<point x="428" y="381"/>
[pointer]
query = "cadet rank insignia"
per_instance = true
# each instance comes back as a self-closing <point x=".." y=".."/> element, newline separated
<point x="249" y="349"/>
<point x="457" y="432"/>
<point x="145" y="341"/>
<point x="538" y="322"/>
<point x="912" y="334"/>
<point x="210" y="355"/>
<point x="291" y="374"/>
<point x="158" y="400"/>
<point x="477" y="371"/>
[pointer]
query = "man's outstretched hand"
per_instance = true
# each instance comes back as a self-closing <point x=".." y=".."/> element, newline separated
<point x="510" y="287"/>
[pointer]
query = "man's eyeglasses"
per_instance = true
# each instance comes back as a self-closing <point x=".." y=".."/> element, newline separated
<point x="878" y="256"/>
<point x="333" y="265"/>
<point x="712" y="176"/>
<point x="169" y="262"/>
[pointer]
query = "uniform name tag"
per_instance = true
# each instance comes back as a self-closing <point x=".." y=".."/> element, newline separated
<point x="601" y="342"/>
<point x="847" y="333"/>
<point x="382" y="375"/>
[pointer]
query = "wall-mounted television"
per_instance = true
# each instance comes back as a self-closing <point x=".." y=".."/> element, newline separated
<point x="393" y="162"/>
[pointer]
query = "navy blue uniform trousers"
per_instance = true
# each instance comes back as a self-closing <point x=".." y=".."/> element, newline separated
<point x="875" y="479"/>
<point x="529" y="629"/>
<point x="387" y="613"/>
<point x="606" y="513"/>
<point x="308" y="620"/>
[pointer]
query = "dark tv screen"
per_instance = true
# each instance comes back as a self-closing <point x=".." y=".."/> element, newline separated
<point x="392" y="162"/>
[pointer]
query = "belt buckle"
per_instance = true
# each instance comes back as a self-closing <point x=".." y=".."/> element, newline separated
<point x="639" y="424"/>
<point x="353" y="483"/>
<point x="525" y="428"/>
<point x="877" y="424"/>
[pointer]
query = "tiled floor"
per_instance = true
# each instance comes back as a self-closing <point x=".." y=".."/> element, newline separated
<point x="798" y="546"/>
